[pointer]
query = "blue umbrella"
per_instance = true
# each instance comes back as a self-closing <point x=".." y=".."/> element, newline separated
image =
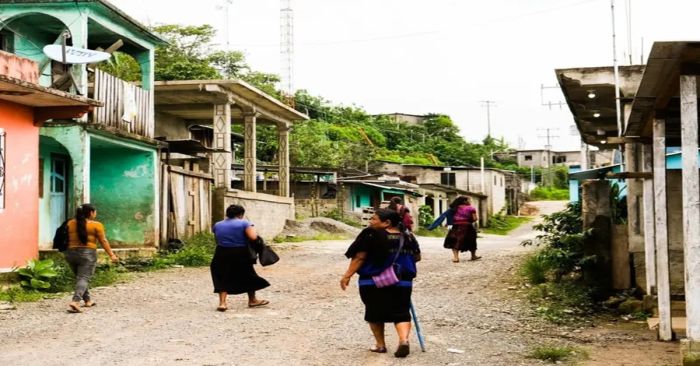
<point x="418" y="333"/>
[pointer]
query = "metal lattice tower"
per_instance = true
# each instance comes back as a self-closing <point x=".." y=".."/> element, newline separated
<point x="287" y="47"/>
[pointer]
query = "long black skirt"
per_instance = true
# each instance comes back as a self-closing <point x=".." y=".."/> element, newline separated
<point x="387" y="304"/>
<point x="232" y="271"/>
<point x="461" y="237"/>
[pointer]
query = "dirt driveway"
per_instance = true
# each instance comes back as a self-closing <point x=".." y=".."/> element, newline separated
<point x="168" y="318"/>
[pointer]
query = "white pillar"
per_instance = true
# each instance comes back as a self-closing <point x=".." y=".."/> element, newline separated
<point x="649" y="236"/>
<point x="691" y="204"/>
<point x="661" y="228"/>
<point x="249" y="154"/>
<point x="222" y="141"/>
<point x="283" y="158"/>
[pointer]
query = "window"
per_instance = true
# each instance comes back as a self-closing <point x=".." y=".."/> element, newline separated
<point x="6" y="41"/>
<point x="528" y="157"/>
<point x="559" y="159"/>
<point x="3" y="152"/>
<point x="358" y="201"/>
<point x="448" y="179"/>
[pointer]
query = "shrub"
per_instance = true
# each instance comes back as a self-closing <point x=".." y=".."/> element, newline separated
<point x="501" y="224"/>
<point x="36" y="274"/>
<point x="197" y="251"/>
<point x="425" y="216"/>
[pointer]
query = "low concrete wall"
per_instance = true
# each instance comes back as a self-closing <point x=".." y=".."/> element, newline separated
<point x="269" y="213"/>
<point x="314" y="207"/>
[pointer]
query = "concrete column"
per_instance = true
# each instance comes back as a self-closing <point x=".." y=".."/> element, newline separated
<point x="222" y="141"/>
<point x="691" y="206"/>
<point x="79" y="37"/>
<point x="249" y="154"/>
<point x="649" y="233"/>
<point x="147" y="61"/>
<point x="283" y="158"/>
<point x="661" y="229"/>
<point x="595" y="214"/>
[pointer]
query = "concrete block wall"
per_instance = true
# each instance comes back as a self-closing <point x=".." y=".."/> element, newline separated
<point x="269" y="213"/>
<point x="307" y="207"/>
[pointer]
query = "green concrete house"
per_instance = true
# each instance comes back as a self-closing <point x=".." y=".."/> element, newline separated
<point x="108" y="158"/>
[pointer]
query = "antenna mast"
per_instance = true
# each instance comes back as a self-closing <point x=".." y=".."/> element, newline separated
<point x="287" y="47"/>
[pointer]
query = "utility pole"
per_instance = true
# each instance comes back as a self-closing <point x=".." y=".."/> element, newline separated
<point x="548" y="151"/>
<point x="287" y="47"/>
<point x="488" y="104"/>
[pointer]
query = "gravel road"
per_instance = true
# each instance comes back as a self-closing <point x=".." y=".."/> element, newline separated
<point x="169" y="318"/>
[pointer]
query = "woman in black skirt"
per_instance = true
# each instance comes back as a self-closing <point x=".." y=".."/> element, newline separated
<point x="232" y="266"/>
<point x="375" y="249"/>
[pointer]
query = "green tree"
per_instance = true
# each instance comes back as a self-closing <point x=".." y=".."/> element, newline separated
<point x="185" y="57"/>
<point x="122" y="66"/>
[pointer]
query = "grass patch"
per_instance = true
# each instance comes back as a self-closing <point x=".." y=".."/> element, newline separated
<point x="503" y="224"/>
<point x="535" y="269"/>
<point x="556" y="353"/>
<point x="563" y="302"/>
<point x="438" y="232"/>
<point x="549" y="194"/>
<point x="16" y="294"/>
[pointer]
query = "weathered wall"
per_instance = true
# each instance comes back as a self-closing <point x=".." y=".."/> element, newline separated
<point x="172" y="127"/>
<point x="122" y="187"/>
<point x="269" y="213"/>
<point x="19" y="220"/>
<point x="314" y="207"/>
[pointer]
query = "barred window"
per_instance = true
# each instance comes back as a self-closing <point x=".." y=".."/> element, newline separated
<point x="3" y="152"/>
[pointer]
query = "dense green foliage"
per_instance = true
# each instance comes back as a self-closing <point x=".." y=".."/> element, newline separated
<point x="501" y="224"/>
<point x="189" y="56"/>
<point x="549" y="194"/>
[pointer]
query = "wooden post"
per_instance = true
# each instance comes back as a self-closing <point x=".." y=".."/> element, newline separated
<point x="691" y="204"/>
<point x="649" y="233"/>
<point x="661" y="230"/>
<point x="249" y="154"/>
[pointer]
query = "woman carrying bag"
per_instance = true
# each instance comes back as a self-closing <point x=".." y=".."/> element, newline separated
<point x="385" y="259"/>
<point x="231" y="268"/>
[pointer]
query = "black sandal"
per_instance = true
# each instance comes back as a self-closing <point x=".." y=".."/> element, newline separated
<point x="376" y="349"/>
<point x="402" y="351"/>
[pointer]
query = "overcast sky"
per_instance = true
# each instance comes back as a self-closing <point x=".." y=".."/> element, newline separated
<point x="440" y="56"/>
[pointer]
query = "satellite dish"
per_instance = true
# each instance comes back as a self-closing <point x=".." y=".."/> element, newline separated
<point x="75" y="55"/>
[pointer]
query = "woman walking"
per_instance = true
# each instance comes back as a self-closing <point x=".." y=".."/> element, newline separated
<point x="375" y="249"/>
<point x="83" y="234"/>
<point x="232" y="266"/>
<point x="462" y="235"/>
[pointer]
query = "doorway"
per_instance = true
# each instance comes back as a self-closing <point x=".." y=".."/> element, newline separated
<point x="58" y="188"/>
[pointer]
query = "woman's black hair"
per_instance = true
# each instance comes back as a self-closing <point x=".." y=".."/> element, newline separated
<point x="234" y="211"/>
<point x="394" y="203"/>
<point x="82" y="213"/>
<point x="461" y="200"/>
<point x="385" y="214"/>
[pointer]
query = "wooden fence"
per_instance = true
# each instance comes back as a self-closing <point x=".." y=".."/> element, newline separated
<point x="126" y="106"/>
<point x="186" y="199"/>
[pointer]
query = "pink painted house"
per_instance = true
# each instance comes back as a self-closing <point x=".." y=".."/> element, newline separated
<point x="24" y="106"/>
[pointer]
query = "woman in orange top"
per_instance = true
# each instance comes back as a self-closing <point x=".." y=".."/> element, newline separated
<point x="83" y="234"/>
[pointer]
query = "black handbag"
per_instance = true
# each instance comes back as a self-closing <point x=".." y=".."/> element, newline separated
<point x="268" y="256"/>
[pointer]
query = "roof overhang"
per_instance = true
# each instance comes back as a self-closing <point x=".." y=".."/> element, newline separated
<point x="193" y="100"/>
<point x="590" y="95"/>
<point x="658" y="93"/>
<point x="47" y="103"/>
<point x="449" y="189"/>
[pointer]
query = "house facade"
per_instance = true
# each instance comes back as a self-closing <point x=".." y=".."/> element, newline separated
<point x="107" y="157"/>
<point x="24" y="107"/>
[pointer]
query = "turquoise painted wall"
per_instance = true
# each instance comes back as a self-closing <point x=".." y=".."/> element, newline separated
<point x="123" y="189"/>
<point x="361" y="196"/>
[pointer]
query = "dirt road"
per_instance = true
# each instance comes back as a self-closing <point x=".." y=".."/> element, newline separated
<point x="168" y="317"/>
